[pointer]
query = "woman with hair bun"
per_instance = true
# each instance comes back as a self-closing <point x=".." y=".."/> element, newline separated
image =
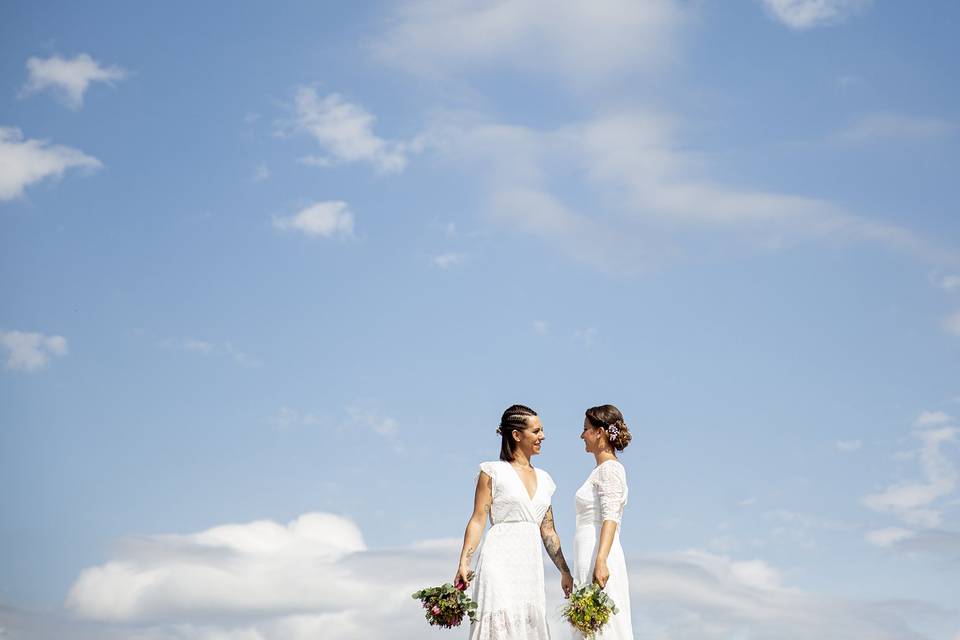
<point x="598" y="556"/>
<point x="515" y="497"/>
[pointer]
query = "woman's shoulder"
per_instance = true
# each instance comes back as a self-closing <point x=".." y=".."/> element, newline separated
<point x="609" y="468"/>
<point x="544" y="473"/>
<point x="490" y="467"/>
<point x="546" y="479"/>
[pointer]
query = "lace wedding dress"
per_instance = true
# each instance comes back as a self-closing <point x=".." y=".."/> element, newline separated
<point x="508" y="587"/>
<point x="602" y="497"/>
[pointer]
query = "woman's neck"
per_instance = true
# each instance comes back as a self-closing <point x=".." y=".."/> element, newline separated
<point x="603" y="456"/>
<point x="522" y="460"/>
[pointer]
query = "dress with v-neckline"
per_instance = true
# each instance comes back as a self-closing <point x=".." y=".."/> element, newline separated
<point x="536" y="476"/>
<point x="508" y="585"/>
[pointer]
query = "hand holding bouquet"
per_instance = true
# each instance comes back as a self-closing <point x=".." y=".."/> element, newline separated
<point x="588" y="609"/>
<point x="447" y="604"/>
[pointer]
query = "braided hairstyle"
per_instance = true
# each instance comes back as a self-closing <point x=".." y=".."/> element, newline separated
<point x="609" y="418"/>
<point x="513" y="419"/>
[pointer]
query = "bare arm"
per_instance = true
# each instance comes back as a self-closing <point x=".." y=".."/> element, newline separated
<point x="600" y="571"/>
<point x="551" y="542"/>
<point x="611" y="488"/>
<point x="482" y="501"/>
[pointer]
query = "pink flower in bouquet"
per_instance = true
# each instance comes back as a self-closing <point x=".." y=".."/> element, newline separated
<point x="435" y="610"/>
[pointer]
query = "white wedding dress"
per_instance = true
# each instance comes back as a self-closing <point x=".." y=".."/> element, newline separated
<point x="602" y="497"/>
<point x="508" y="587"/>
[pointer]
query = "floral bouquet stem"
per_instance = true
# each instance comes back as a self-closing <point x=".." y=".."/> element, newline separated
<point x="447" y="604"/>
<point x="588" y="610"/>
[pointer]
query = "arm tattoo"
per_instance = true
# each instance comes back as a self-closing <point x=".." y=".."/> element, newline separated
<point x="551" y="541"/>
<point x="469" y="553"/>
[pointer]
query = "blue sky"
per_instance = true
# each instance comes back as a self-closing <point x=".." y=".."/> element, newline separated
<point x="273" y="272"/>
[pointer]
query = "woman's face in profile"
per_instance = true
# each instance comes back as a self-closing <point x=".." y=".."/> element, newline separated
<point x="530" y="439"/>
<point x="590" y="436"/>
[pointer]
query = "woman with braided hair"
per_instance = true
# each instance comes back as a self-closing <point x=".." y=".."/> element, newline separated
<point x="515" y="497"/>
<point x="598" y="556"/>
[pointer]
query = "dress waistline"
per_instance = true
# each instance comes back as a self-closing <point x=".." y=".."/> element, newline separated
<point x="515" y="522"/>
<point x="584" y="523"/>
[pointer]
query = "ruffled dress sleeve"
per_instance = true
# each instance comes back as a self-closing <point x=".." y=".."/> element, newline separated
<point x="611" y="484"/>
<point x="549" y="486"/>
<point x="491" y="469"/>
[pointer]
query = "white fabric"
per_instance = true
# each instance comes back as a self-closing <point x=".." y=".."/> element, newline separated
<point x="602" y="497"/>
<point x="508" y="586"/>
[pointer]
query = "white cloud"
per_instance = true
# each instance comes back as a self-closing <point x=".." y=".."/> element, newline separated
<point x="30" y="351"/>
<point x="366" y="416"/>
<point x="806" y="14"/>
<point x="261" y="172"/>
<point x="848" y="81"/>
<point x="70" y="78"/>
<point x="315" y="577"/>
<point x="932" y="419"/>
<point x="362" y="416"/>
<point x="224" y="350"/>
<point x="587" y="336"/>
<point x="540" y="327"/>
<point x="892" y="126"/>
<point x="25" y="162"/>
<point x="345" y="132"/>
<point x="913" y="502"/>
<point x="320" y="220"/>
<point x="584" y="41"/>
<point x="951" y="324"/>
<point x="801" y="528"/>
<point x="848" y="445"/>
<point x="696" y="595"/>
<point x="447" y="260"/>
<point x="888" y="536"/>
<point x="287" y="418"/>
<point x="950" y="282"/>
<point x="646" y="191"/>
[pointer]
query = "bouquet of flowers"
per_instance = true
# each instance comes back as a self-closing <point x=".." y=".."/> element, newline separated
<point x="447" y="604"/>
<point x="588" y="609"/>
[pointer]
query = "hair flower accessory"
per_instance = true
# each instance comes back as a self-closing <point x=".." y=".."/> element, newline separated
<point x="613" y="431"/>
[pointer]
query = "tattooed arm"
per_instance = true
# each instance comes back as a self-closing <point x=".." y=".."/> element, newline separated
<point x="482" y="500"/>
<point x="551" y="541"/>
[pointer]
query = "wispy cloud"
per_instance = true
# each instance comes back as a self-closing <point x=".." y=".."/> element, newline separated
<point x="319" y="220"/>
<point x="949" y="282"/>
<point x="367" y="416"/>
<point x="846" y="446"/>
<point x="362" y="418"/>
<point x="697" y="595"/>
<point x="650" y="194"/>
<point x="286" y="419"/>
<point x="30" y="351"/>
<point x="211" y="349"/>
<point x="807" y="14"/>
<point x="891" y="126"/>
<point x="540" y="327"/>
<point x="581" y="41"/>
<point x="888" y="536"/>
<point x="586" y="336"/>
<point x="951" y="324"/>
<point x="914" y="502"/>
<point x="24" y="162"/>
<point x="261" y="172"/>
<point x="69" y="77"/>
<point x="447" y="260"/>
<point x="344" y="131"/>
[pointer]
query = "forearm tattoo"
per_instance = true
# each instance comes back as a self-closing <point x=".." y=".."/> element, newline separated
<point x="551" y="542"/>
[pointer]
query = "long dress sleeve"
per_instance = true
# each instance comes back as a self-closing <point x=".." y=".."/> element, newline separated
<point x="611" y="483"/>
